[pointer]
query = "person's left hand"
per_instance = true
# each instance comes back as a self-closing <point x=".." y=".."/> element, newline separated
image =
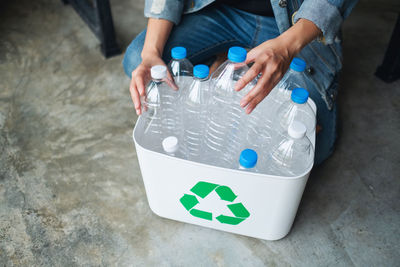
<point x="272" y="59"/>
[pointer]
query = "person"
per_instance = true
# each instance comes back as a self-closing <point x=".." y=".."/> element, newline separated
<point x="274" y="31"/>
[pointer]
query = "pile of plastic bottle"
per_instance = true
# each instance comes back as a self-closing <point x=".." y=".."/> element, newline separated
<point x="204" y="122"/>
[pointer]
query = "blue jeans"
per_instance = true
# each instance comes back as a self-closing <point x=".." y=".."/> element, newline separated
<point x="213" y="30"/>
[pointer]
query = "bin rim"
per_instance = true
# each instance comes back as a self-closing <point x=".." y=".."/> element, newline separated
<point x="261" y="175"/>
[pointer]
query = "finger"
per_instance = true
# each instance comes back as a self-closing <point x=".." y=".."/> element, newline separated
<point x="251" y="56"/>
<point x="248" y="76"/>
<point x="263" y="86"/>
<point x="253" y="104"/>
<point x="171" y="81"/>
<point x="135" y="96"/>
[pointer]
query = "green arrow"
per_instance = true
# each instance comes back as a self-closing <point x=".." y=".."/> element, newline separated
<point x="201" y="214"/>
<point x="202" y="189"/>
<point x="239" y="210"/>
<point x="229" y="220"/>
<point x="189" y="201"/>
<point x="225" y="193"/>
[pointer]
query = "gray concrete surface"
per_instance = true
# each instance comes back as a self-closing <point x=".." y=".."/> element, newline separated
<point x="70" y="188"/>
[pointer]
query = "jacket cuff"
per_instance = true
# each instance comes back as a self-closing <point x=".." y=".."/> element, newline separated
<point x="324" y="15"/>
<point x="164" y="9"/>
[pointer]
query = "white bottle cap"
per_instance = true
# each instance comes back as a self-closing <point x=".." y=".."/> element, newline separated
<point x="297" y="130"/>
<point x="170" y="144"/>
<point x="158" y="72"/>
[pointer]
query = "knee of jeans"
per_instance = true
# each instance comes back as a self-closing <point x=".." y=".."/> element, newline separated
<point x="322" y="153"/>
<point x="132" y="58"/>
<point x="326" y="138"/>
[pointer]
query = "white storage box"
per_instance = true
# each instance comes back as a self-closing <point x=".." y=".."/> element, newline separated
<point x="251" y="204"/>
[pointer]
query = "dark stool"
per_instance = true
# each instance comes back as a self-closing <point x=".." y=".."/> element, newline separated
<point x="389" y="71"/>
<point x="97" y="15"/>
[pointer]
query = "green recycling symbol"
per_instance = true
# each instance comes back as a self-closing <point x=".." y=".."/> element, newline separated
<point x="203" y="189"/>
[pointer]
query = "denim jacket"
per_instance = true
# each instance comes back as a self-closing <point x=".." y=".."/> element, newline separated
<point x="323" y="56"/>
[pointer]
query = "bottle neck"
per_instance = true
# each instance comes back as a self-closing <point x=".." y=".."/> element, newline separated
<point x="157" y="80"/>
<point x="241" y="167"/>
<point x="238" y="63"/>
<point x="299" y="104"/>
<point x="200" y="79"/>
<point x="296" y="72"/>
<point x="295" y="139"/>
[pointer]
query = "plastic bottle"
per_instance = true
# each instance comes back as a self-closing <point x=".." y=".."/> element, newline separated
<point x="292" y="154"/>
<point x="151" y="108"/>
<point x="170" y="146"/>
<point x="248" y="160"/>
<point x="259" y="128"/>
<point x="223" y="130"/>
<point x="180" y="67"/>
<point x="171" y="110"/>
<point x="293" y="78"/>
<point x="194" y="102"/>
<point x="296" y="109"/>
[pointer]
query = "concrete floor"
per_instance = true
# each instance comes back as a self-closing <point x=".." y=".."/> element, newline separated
<point x="70" y="188"/>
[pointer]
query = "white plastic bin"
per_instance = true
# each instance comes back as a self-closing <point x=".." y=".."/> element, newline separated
<point x="251" y="204"/>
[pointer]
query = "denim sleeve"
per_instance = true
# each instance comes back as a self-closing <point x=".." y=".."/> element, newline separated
<point x="164" y="9"/>
<point x="328" y="15"/>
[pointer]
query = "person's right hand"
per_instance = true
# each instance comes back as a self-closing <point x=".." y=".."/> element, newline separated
<point x="141" y="76"/>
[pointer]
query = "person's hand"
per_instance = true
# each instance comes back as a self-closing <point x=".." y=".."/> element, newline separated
<point x="141" y="76"/>
<point x="272" y="59"/>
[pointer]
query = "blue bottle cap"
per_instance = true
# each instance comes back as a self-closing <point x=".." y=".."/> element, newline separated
<point x="178" y="52"/>
<point x="299" y="95"/>
<point x="237" y="54"/>
<point x="201" y="71"/>
<point x="298" y="64"/>
<point x="248" y="158"/>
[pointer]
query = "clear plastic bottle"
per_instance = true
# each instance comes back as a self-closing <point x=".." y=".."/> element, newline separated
<point x="171" y="110"/>
<point x="293" y="78"/>
<point x="194" y="102"/>
<point x="259" y="128"/>
<point x="151" y="108"/>
<point x="248" y="160"/>
<point x="180" y="67"/>
<point x="296" y="109"/>
<point x="292" y="154"/>
<point x="224" y="130"/>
